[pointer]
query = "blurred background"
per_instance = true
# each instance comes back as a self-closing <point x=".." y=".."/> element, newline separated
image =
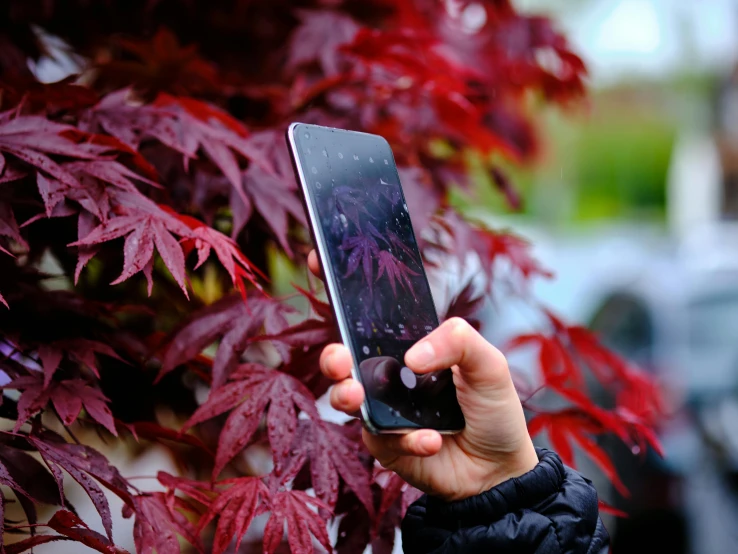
<point x="634" y="206"/>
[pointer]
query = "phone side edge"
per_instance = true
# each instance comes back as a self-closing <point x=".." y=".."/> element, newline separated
<point x="321" y="251"/>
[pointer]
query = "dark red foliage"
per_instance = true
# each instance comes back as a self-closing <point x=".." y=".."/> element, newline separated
<point x="72" y="527"/>
<point x="251" y="389"/>
<point x="159" y="519"/>
<point x="163" y="161"/>
<point x="330" y="454"/>
<point x="293" y="510"/>
<point x="235" y="507"/>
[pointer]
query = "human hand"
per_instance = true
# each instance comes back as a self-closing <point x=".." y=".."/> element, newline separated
<point x="494" y="445"/>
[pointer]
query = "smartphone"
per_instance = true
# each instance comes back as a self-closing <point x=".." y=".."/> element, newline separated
<point x="374" y="275"/>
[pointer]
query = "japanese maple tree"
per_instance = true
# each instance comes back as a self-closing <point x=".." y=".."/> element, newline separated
<point x="142" y="198"/>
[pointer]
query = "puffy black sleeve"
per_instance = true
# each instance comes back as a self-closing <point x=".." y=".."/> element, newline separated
<point x="549" y="510"/>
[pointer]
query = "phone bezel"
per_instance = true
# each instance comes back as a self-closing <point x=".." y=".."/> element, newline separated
<point x="330" y="280"/>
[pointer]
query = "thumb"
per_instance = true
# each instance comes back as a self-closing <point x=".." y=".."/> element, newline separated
<point x="456" y="342"/>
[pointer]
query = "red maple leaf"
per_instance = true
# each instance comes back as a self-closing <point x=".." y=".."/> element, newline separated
<point x="235" y="507"/>
<point x="33" y="138"/>
<point x="67" y="396"/>
<point x="231" y="320"/>
<point x="199" y="125"/>
<point x="27" y="477"/>
<point x="82" y="463"/>
<point x="250" y="390"/>
<point x="30" y="542"/>
<point x="48" y="98"/>
<point x="206" y="239"/>
<point x="7" y="479"/>
<point x="118" y="114"/>
<point x="395" y="492"/>
<point x="159" y="519"/>
<point x="331" y="455"/>
<point x="162" y="64"/>
<point x="9" y="226"/>
<point x="311" y="333"/>
<point x="357" y="529"/>
<point x="82" y="351"/>
<point x="578" y="426"/>
<point x="269" y="186"/>
<point x="72" y="527"/>
<point x="154" y="432"/>
<point x="183" y="124"/>
<point x="93" y="176"/>
<point x="557" y="365"/>
<point x="293" y="508"/>
<point x="197" y="490"/>
<point x="453" y="234"/>
<point x="319" y="38"/>
<point x="465" y="304"/>
<point x="144" y="224"/>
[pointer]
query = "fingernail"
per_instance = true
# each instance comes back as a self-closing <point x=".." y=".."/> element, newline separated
<point x="421" y="355"/>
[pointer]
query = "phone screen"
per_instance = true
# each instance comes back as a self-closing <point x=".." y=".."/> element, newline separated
<point x="379" y="290"/>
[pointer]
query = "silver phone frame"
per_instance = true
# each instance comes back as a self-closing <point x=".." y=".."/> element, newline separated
<point x="330" y="281"/>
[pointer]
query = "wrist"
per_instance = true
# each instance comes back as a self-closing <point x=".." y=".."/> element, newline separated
<point x="492" y="471"/>
<point x="511" y="466"/>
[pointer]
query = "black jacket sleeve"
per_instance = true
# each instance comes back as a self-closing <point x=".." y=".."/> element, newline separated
<point x="549" y="510"/>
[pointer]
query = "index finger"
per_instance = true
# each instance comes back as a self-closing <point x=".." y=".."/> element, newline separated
<point x="314" y="264"/>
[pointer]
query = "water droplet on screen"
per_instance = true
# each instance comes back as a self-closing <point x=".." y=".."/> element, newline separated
<point x="314" y="170"/>
<point x="325" y="152"/>
<point x="636" y="449"/>
<point x="307" y="135"/>
<point x="365" y="350"/>
<point x="417" y="413"/>
<point x="434" y="378"/>
<point x="318" y="185"/>
<point x="438" y="414"/>
<point x="356" y="157"/>
<point x="340" y="155"/>
<point x="404" y="205"/>
<point x="308" y="151"/>
<point x="343" y="219"/>
<point x="371" y="160"/>
<point x="394" y="412"/>
<point x="386" y="162"/>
